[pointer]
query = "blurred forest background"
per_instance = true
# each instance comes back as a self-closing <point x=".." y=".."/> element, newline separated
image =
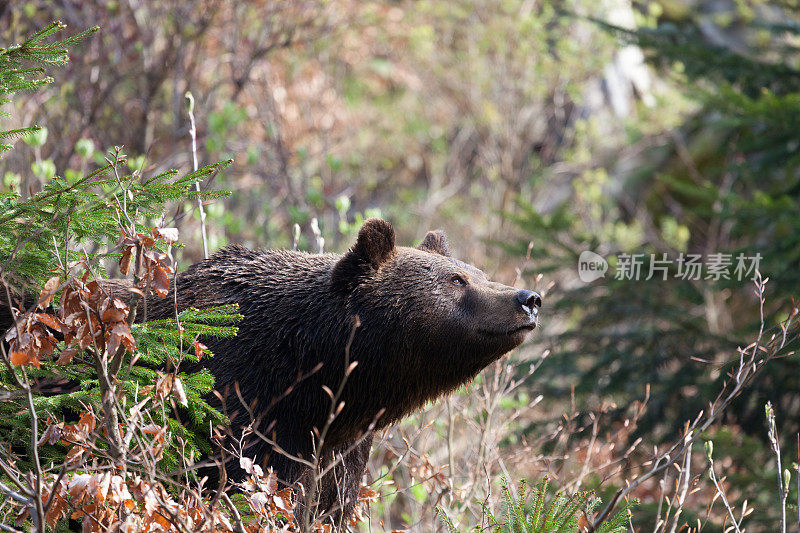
<point x="530" y="131"/>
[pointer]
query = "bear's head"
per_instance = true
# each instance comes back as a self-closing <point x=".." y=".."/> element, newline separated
<point x="435" y="320"/>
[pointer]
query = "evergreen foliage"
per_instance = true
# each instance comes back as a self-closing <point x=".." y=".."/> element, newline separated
<point x="542" y="512"/>
<point x="729" y="178"/>
<point x="740" y="197"/>
<point x="450" y="110"/>
<point x="17" y="74"/>
<point x="70" y="230"/>
<point x="68" y="214"/>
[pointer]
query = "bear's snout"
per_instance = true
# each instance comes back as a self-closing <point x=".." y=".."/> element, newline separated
<point x="529" y="301"/>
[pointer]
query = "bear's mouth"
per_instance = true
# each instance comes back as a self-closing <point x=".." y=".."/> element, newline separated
<point x="525" y="328"/>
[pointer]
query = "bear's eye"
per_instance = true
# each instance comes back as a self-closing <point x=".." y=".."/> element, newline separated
<point x="458" y="281"/>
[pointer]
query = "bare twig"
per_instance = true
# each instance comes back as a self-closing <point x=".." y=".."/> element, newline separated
<point x="658" y="521"/>
<point x="712" y="475"/>
<point x="193" y="132"/>
<point x="684" y="477"/>
<point x="37" y="465"/>
<point x="107" y="395"/>
<point x="239" y="527"/>
<point x="500" y="385"/>
<point x="319" y="444"/>
<point x="783" y="476"/>
<point x="14" y="495"/>
<point x="295" y="236"/>
<point x="752" y="360"/>
<point x="118" y="158"/>
<point x="25" y="386"/>
<point x="4" y="527"/>
<point x="451" y="419"/>
<point x="318" y="235"/>
<point x="12" y="476"/>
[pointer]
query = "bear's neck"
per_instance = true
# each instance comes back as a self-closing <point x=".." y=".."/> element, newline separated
<point x="394" y="377"/>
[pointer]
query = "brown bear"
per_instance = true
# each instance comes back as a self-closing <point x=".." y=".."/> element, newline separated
<point x="416" y="322"/>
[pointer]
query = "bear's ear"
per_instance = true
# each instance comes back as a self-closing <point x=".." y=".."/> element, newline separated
<point x="373" y="247"/>
<point x="435" y="242"/>
<point x="375" y="243"/>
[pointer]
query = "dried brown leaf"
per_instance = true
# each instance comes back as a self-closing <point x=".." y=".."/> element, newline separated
<point x="51" y="322"/>
<point x="199" y="347"/>
<point x="170" y="235"/>
<point x="49" y="290"/>
<point x="112" y="314"/>
<point x="125" y="260"/>
<point x="161" y="281"/>
<point x="583" y="523"/>
<point x="157" y="431"/>
<point x="180" y="392"/>
<point x="74" y="455"/>
<point x="120" y="335"/>
<point x="66" y="356"/>
<point x="87" y="422"/>
<point x="101" y="486"/>
<point x="77" y="486"/>
<point x="52" y="434"/>
<point x="136" y="290"/>
<point x="58" y="507"/>
<point x="23" y="358"/>
<point x="22" y="517"/>
<point x="164" y="386"/>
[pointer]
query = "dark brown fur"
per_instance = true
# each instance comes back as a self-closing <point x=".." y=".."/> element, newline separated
<point x="421" y="335"/>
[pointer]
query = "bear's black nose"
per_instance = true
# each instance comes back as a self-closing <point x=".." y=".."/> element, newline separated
<point x="529" y="300"/>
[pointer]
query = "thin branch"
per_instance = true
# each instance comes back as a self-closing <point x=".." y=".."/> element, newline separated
<point x="685" y="476"/>
<point x="721" y="492"/>
<point x="16" y="496"/>
<point x="746" y="371"/>
<point x="107" y="394"/>
<point x="319" y="445"/>
<point x="193" y="132"/>
<point x="797" y="477"/>
<point x="4" y="527"/>
<point x="450" y="437"/>
<point x="37" y="465"/>
<point x="239" y="528"/>
<point x="783" y="484"/>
